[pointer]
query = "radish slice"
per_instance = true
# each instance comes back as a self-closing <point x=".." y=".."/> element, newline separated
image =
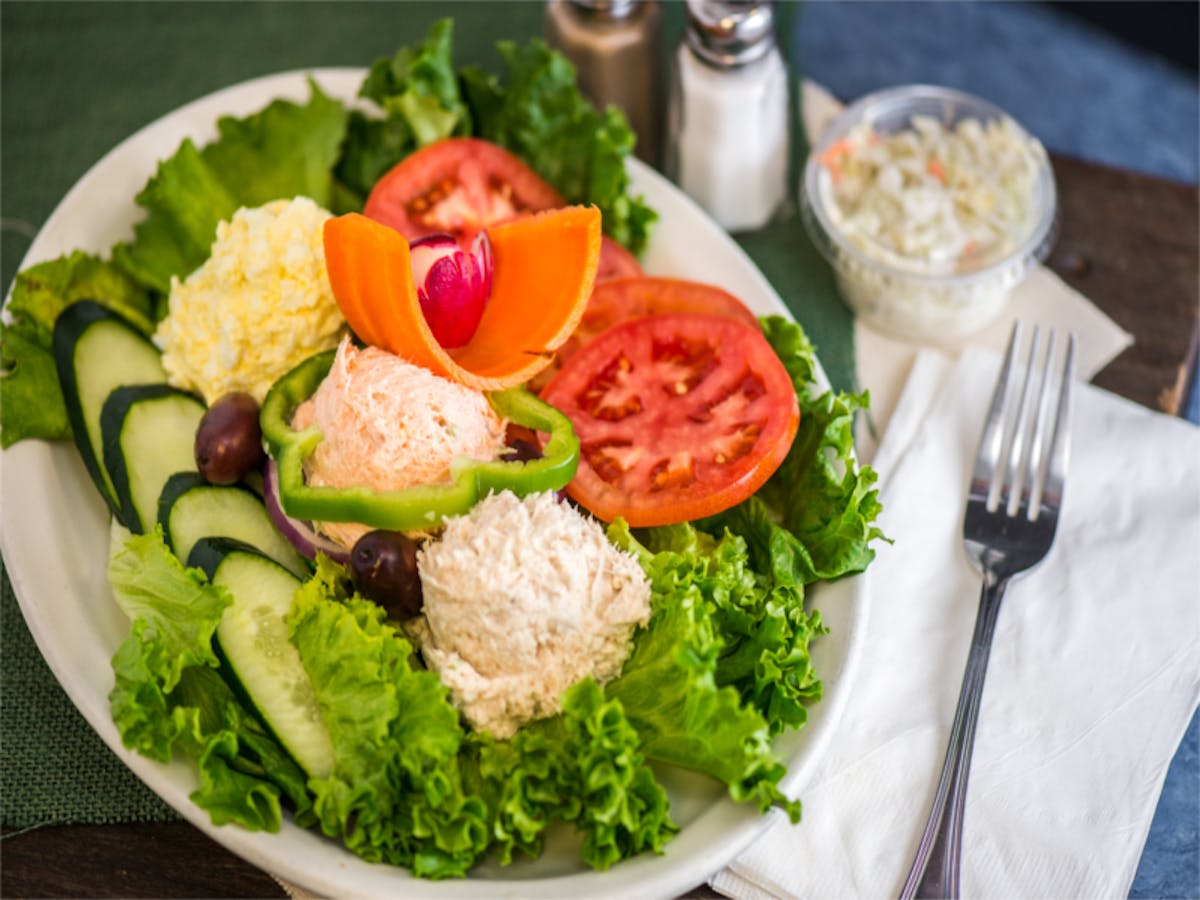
<point x="300" y="535"/>
<point x="453" y="285"/>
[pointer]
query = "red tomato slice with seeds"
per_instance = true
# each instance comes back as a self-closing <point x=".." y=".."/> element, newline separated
<point x="457" y="186"/>
<point x="616" y="261"/>
<point x="679" y="416"/>
<point x="621" y="299"/>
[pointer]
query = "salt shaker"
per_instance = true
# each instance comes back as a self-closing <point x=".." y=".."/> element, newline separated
<point x="728" y="113"/>
<point x="616" y="46"/>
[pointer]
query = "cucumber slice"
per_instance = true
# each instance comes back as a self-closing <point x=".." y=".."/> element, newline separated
<point x="95" y="351"/>
<point x="148" y="433"/>
<point x="190" y="508"/>
<point x="252" y="639"/>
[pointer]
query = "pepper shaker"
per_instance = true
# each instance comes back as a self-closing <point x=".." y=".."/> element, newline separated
<point x="616" y="46"/>
<point x="728" y="112"/>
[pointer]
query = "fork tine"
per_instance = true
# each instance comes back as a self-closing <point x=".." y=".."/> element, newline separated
<point x="1034" y="463"/>
<point x="992" y="439"/>
<point x="1054" y="468"/>
<point x="1018" y="449"/>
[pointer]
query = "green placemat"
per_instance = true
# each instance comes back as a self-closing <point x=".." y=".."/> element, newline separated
<point x="54" y="769"/>
<point x="80" y="77"/>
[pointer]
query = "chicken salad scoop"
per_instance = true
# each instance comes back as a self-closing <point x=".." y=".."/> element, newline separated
<point x="524" y="597"/>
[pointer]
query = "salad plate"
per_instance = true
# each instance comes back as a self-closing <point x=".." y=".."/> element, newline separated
<point x="54" y="534"/>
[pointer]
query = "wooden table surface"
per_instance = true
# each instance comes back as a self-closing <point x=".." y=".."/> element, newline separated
<point x="1128" y="241"/>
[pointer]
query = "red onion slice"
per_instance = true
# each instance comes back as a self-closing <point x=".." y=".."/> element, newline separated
<point x="301" y="535"/>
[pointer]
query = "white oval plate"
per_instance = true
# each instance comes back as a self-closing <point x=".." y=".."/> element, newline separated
<point x="54" y="536"/>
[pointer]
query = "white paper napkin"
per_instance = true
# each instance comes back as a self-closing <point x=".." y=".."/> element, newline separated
<point x="1094" y="674"/>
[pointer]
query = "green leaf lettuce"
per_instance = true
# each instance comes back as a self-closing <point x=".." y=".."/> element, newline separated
<point x="283" y="151"/>
<point x="669" y="687"/>
<point x="815" y="516"/>
<point x="417" y="89"/>
<point x="31" y="404"/>
<point x="169" y="697"/>
<point x="540" y="115"/>
<point x="395" y="793"/>
<point x="757" y="614"/>
<point x="584" y="767"/>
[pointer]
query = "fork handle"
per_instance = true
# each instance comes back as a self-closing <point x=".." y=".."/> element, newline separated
<point x="936" y="866"/>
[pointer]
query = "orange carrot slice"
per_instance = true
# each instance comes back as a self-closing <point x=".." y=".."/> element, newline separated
<point x="544" y="266"/>
<point x="345" y="256"/>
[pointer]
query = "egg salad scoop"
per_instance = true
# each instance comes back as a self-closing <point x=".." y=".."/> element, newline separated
<point x="259" y="305"/>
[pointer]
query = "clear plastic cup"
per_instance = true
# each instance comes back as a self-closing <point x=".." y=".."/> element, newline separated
<point x="896" y="296"/>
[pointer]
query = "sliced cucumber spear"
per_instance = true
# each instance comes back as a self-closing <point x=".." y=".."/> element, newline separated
<point x="190" y="508"/>
<point x="148" y="432"/>
<point x="252" y="639"/>
<point x="95" y="351"/>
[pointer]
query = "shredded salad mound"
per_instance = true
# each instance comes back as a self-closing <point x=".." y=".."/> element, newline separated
<point x="934" y="199"/>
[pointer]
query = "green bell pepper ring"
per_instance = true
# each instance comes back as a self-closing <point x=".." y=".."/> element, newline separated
<point x="421" y="506"/>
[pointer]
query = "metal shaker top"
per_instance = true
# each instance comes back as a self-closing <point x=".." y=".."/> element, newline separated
<point x="730" y="33"/>
<point x="605" y="9"/>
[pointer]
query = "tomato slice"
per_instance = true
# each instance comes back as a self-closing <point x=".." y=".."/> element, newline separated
<point x="457" y="186"/>
<point x="620" y="299"/>
<point x="679" y="416"/>
<point x="616" y="261"/>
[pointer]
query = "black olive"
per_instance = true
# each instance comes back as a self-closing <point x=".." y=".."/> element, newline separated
<point x="229" y="439"/>
<point x="383" y="565"/>
<point x="521" y="450"/>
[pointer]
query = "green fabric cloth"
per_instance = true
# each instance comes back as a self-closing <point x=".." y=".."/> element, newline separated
<point x="55" y="769"/>
<point x="77" y="78"/>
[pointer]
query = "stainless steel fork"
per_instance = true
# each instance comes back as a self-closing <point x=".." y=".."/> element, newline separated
<point x="1012" y="514"/>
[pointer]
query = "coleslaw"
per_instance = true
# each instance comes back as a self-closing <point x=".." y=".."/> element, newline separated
<point x="934" y="199"/>
<point x="931" y="205"/>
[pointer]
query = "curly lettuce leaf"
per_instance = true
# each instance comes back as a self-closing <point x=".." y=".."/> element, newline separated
<point x="174" y="607"/>
<point x="418" y="86"/>
<point x="245" y="775"/>
<point x="184" y="201"/>
<point x="283" y="151"/>
<point x="583" y="767"/>
<point x="395" y="793"/>
<point x="669" y="687"/>
<point x="169" y="698"/>
<point x="815" y="516"/>
<point x="527" y="783"/>
<point x="31" y="404"/>
<point x="417" y="89"/>
<point x="623" y="811"/>
<point x="758" y="616"/>
<point x="540" y="115"/>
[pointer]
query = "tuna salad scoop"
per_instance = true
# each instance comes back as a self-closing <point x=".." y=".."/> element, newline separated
<point x="387" y="424"/>
<point x="523" y="598"/>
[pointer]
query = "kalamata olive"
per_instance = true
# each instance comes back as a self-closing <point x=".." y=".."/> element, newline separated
<point x="521" y="450"/>
<point x="383" y="565"/>
<point x="229" y="439"/>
